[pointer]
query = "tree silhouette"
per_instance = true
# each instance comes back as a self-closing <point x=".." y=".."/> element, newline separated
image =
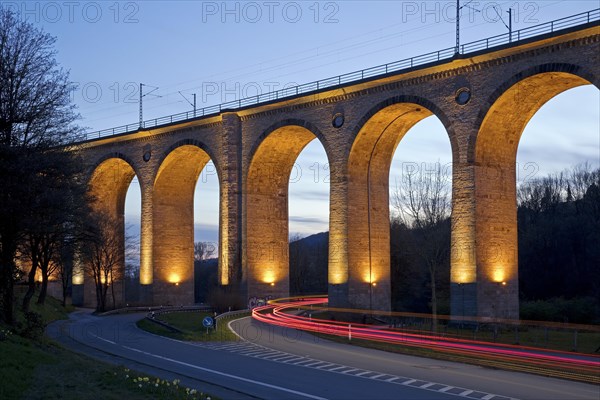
<point x="36" y="114"/>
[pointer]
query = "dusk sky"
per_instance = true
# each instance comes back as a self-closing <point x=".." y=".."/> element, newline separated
<point x="224" y="51"/>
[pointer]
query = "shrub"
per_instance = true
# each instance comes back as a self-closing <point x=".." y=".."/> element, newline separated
<point x="221" y="300"/>
<point x="579" y="310"/>
<point x="34" y="326"/>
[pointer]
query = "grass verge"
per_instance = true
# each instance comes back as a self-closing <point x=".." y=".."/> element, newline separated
<point x="191" y="325"/>
<point x="539" y="337"/>
<point x="576" y="374"/>
<point x="30" y="370"/>
<point x="41" y="369"/>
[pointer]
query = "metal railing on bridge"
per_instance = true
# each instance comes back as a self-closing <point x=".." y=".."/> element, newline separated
<point x="357" y="76"/>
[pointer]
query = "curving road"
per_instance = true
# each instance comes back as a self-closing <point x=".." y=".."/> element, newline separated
<point x="279" y="363"/>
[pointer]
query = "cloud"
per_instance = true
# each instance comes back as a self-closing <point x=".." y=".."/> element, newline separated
<point x="206" y="232"/>
<point x="318" y="195"/>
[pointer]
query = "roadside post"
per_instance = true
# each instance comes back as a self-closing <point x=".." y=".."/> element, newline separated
<point x="208" y="322"/>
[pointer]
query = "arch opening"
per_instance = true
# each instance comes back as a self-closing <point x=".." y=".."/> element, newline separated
<point x="210" y="265"/>
<point x="368" y="273"/>
<point x="308" y="210"/>
<point x="266" y="253"/>
<point x="420" y="206"/>
<point x="132" y="221"/>
<point x="557" y="179"/>
<point x="495" y="157"/>
<point x="108" y="186"/>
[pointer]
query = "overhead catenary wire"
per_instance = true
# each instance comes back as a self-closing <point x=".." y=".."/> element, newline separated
<point x="294" y="62"/>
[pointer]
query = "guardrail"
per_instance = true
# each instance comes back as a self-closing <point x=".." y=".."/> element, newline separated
<point x="232" y="314"/>
<point x="153" y="308"/>
<point x="581" y="19"/>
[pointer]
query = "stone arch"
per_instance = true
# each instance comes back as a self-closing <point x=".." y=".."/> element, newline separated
<point x="417" y="101"/>
<point x="494" y="156"/>
<point x="378" y="134"/>
<point x="188" y="142"/>
<point x="266" y="251"/>
<point x="515" y="89"/>
<point x="173" y="222"/>
<point x="290" y="122"/>
<point x="109" y="181"/>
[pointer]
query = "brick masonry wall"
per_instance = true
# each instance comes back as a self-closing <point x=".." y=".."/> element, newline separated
<point x="254" y="150"/>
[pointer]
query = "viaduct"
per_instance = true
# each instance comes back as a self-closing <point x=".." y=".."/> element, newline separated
<point x="484" y="95"/>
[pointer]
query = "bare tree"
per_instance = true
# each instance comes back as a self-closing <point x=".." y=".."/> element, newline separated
<point x="103" y="256"/>
<point x="35" y="114"/>
<point x="58" y="203"/>
<point x="64" y="268"/>
<point x="203" y="250"/>
<point x="581" y="177"/>
<point x="421" y="200"/>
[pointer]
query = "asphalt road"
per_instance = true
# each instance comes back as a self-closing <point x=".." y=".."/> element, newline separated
<point x="277" y="363"/>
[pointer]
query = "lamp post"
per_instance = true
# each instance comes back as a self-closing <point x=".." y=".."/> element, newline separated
<point x="461" y="285"/>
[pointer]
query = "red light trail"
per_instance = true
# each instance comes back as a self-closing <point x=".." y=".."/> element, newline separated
<point x="555" y="363"/>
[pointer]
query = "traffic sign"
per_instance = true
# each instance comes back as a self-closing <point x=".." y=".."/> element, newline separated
<point x="208" y="322"/>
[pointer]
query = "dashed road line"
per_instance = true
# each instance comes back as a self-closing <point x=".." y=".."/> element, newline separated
<point x="350" y="370"/>
<point x="326" y="366"/>
<point x="254" y="350"/>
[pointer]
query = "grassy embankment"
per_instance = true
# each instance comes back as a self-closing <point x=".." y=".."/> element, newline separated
<point x="38" y="368"/>
<point x="544" y="338"/>
<point x="191" y="325"/>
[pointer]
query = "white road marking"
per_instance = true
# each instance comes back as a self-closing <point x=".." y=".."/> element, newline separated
<point x="325" y="366"/>
<point x="101" y="338"/>
<point x="289" y="357"/>
<point x="212" y="371"/>
<point x="271" y="357"/>
<point x="350" y="370"/>
<point x="292" y="360"/>
<point x="312" y="363"/>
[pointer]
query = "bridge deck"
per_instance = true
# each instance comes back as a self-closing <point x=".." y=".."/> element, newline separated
<point x="522" y="36"/>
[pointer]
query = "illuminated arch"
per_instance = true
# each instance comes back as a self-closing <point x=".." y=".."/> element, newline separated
<point x="379" y="133"/>
<point x="494" y="154"/>
<point x="173" y="222"/>
<point x="109" y="180"/>
<point x="108" y="185"/>
<point x="266" y="266"/>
